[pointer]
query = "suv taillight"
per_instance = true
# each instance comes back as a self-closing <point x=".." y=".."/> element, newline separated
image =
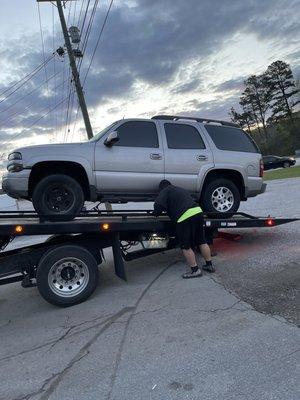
<point x="261" y="168"/>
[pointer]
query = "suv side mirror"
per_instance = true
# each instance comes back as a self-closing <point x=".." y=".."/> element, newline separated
<point x="111" y="139"/>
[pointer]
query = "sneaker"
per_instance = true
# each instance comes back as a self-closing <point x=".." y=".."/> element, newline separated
<point x="209" y="268"/>
<point x="191" y="274"/>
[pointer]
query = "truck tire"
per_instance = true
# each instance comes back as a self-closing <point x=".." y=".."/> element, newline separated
<point x="221" y="196"/>
<point x="67" y="275"/>
<point x="286" y="164"/>
<point x="58" y="195"/>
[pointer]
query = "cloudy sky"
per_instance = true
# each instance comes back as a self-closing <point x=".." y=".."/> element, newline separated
<point x="155" y="56"/>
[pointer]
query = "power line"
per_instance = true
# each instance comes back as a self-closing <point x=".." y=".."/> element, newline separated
<point x="54" y="61"/>
<point x="36" y="121"/>
<point x="85" y="15"/>
<point x="81" y="9"/>
<point x="47" y="113"/>
<point x="28" y="106"/>
<point x="99" y="38"/>
<point x="43" y="49"/>
<point x="89" y="27"/>
<point x="39" y="67"/>
<point x="28" y="78"/>
<point x="28" y="94"/>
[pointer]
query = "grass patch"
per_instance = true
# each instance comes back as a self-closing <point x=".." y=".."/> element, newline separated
<point x="292" y="172"/>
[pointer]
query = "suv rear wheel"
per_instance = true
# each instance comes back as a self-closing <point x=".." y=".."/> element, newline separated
<point x="222" y="196"/>
<point x="58" y="195"/>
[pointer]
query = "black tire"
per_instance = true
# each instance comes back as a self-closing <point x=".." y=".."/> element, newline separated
<point x="53" y="187"/>
<point x="61" y="258"/>
<point x="286" y="164"/>
<point x="211" y="187"/>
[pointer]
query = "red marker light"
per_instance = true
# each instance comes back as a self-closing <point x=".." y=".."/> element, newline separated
<point x="270" y="222"/>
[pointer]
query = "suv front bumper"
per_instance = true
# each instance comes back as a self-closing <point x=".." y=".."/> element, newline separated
<point x="15" y="184"/>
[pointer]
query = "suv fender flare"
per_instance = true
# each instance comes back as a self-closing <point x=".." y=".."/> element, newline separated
<point x="222" y="172"/>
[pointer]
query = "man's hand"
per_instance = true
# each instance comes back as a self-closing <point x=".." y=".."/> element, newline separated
<point x="158" y="210"/>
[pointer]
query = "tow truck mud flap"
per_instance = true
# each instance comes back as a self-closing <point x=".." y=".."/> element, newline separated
<point x="118" y="258"/>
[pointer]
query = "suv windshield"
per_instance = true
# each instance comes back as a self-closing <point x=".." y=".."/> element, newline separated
<point x="98" y="136"/>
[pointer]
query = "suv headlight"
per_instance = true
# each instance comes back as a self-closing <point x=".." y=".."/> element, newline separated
<point x="15" y="156"/>
<point x="15" y="163"/>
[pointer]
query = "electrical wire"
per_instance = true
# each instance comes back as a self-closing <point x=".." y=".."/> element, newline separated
<point x="30" y="74"/>
<point x="98" y="40"/>
<point x="28" y="107"/>
<point x="36" y="121"/>
<point x="89" y="27"/>
<point x="28" y="94"/>
<point x="43" y="49"/>
<point x="85" y="15"/>
<point x="81" y="9"/>
<point x="28" y="78"/>
<point x="54" y="61"/>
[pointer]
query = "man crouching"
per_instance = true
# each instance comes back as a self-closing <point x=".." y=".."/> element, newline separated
<point x="188" y="216"/>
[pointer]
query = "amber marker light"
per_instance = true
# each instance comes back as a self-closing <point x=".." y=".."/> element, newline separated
<point x="105" y="227"/>
<point x="19" y="229"/>
<point x="270" y="222"/>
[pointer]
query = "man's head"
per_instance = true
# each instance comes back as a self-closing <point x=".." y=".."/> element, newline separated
<point x="163" y="184"/>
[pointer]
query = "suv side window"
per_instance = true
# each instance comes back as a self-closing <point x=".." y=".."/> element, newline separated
<point x="138" y="134"/>
<point x="232" y="139"/>
<point x="182" y="136"/>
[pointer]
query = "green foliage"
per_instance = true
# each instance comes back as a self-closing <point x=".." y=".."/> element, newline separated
<point x="281" y="85"/>
<point x="281" y="137"/>
<point x="267" y="104"/>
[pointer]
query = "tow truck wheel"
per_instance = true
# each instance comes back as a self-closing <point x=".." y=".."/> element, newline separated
<point x="67" y="275"/>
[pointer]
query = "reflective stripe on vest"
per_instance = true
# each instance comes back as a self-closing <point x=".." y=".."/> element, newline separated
<point x="189" y="213"/>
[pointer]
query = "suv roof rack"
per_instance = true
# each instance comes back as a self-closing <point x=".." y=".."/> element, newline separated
<point x="177" y="117"/>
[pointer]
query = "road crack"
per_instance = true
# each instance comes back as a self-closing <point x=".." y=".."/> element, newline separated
<point x="55" y="379"/>
<point x="124" y="337"/>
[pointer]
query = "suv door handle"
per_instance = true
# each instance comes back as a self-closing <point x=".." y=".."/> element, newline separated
<point x="155" y="156"/>
<point x="201" y="157"/>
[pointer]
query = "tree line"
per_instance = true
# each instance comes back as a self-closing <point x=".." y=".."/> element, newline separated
<point x="267" y="99"/>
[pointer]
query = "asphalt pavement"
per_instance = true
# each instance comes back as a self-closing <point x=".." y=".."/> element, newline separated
<point x="232" y="335"/>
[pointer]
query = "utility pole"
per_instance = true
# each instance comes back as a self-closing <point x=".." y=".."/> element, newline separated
<point x="73" y="66"/>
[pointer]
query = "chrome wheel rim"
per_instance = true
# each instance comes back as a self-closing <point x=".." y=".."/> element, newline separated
<point x="222" y="199"/>
<point x="68" y="277"/>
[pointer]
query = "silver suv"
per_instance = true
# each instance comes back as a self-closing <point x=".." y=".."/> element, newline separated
<point x="217" y="162"/>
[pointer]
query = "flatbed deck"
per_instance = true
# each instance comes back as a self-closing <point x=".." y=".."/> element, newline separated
<point x="65" y="267"/>
<point x="28" y="223"/>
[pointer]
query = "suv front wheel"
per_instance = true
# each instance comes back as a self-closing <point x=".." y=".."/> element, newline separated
<point x="221" y="196"/>
<point x="58" y="195"/>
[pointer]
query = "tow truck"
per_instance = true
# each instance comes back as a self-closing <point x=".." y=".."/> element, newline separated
<point x="64" y="267"/>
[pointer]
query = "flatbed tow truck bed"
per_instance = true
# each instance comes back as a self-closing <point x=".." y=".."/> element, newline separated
<point x="65" y="266"/>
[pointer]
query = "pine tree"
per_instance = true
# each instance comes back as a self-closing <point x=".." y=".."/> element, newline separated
<point x="244" y="120"/>
<point x="258" y="98"/>
<point x="281" y="84"/>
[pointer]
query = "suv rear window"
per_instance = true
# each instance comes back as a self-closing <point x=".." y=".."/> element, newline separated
<point x="230" y="138"/>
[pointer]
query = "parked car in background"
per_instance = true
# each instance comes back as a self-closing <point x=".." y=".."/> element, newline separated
<point x="216" y="161"/>
<point x="271" y="162"/>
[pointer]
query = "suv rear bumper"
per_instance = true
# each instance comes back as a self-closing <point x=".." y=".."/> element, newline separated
<point x="15" y="184"/>
<point x="254" y="191"/>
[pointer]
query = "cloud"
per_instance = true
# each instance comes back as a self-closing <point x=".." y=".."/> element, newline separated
<point x="232" y="85"/>
<point x="164" y="45"/>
